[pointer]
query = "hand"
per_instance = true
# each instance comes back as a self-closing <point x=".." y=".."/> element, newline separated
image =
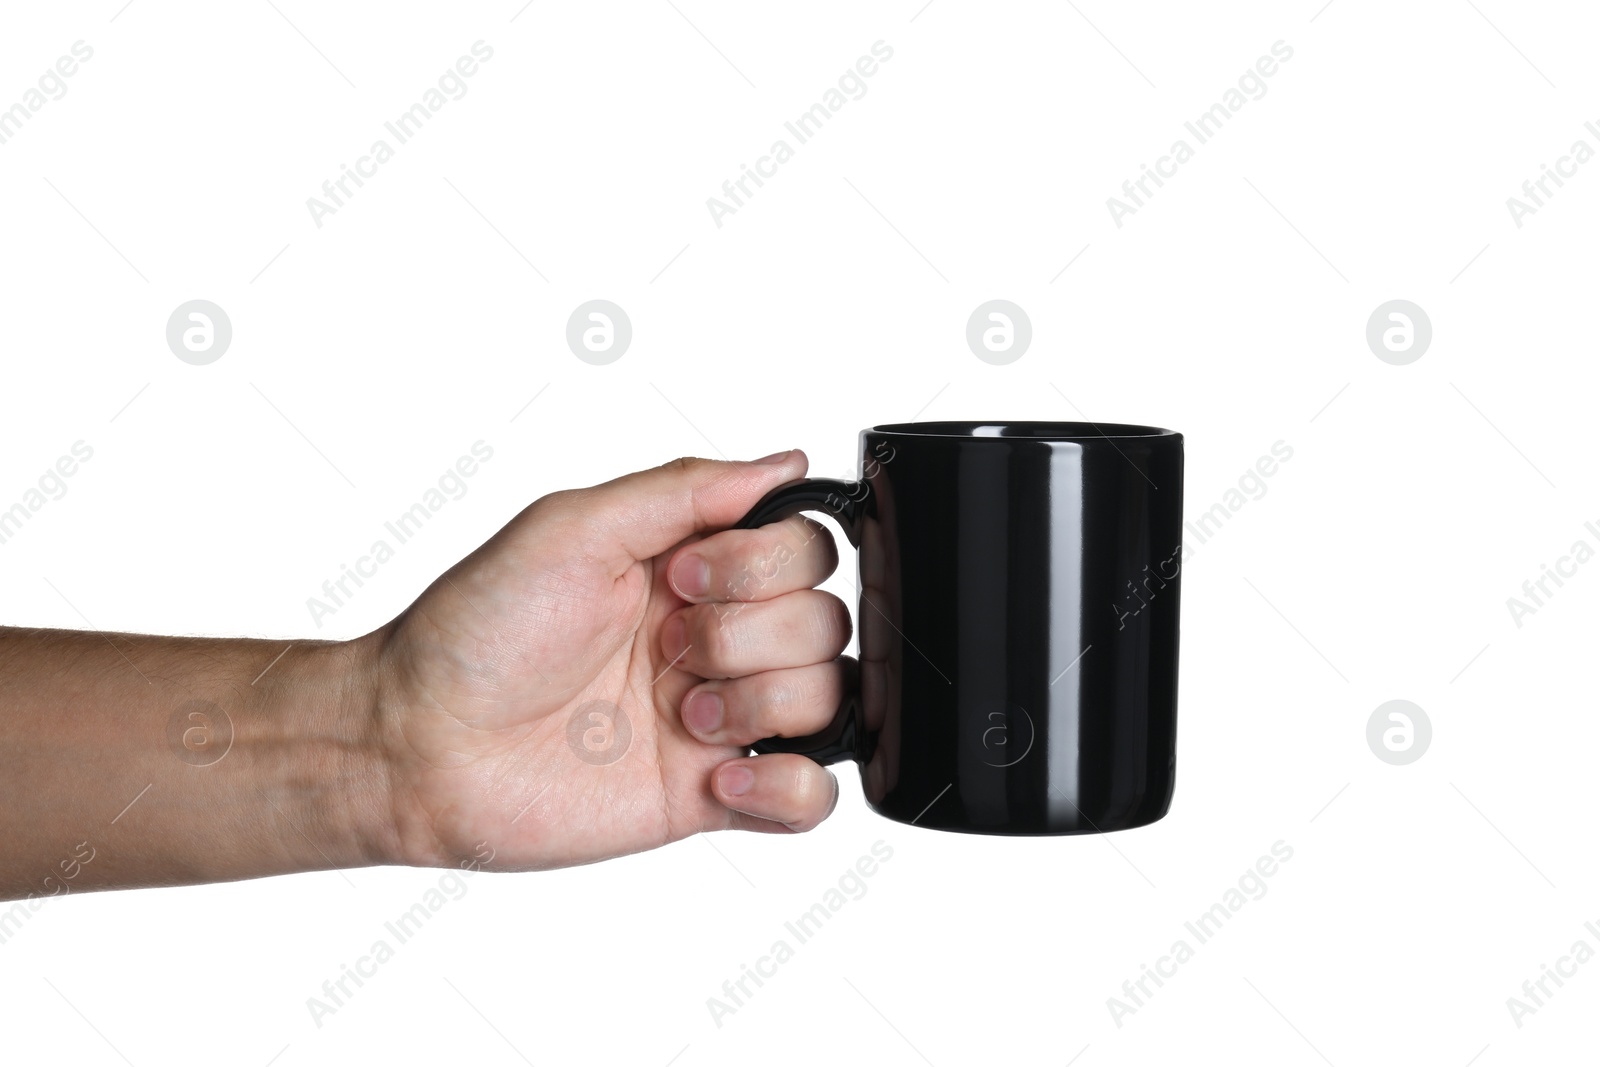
<point x="586" y="684"/>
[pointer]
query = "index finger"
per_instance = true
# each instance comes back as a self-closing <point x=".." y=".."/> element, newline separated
<point x="748" y="565"/>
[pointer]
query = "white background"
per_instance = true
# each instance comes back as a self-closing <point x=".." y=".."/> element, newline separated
<point x="423" y="316"/>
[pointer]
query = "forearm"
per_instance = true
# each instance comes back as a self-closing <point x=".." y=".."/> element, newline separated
<point x="141" y="761"/>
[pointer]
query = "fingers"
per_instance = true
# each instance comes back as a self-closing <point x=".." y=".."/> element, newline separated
<point x="731" y="640"/>
<point x="769" y="655"/>
<point x="744" y="565"/>
<point x="776" y="792"/>
<point x="784" y="703"/>
<point x="639" y="516"/>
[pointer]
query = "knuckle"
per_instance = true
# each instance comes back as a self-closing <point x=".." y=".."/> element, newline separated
<point x="748" y="573"/>
<point x="683" y="464"/>
<point x="753" y="563"/>
<point x="812" y="796"/>
<point x="805" y="689"/>
<point x="807" y="539"/>
<point x="834" y="620"/>
<point x="776" y="693"/>
<point x="561" y="503"/>
<point x="712" y="631"/>
<point x="822" y="543"/>
<point x="570" y="511"/>
<point x="782" y="699"/>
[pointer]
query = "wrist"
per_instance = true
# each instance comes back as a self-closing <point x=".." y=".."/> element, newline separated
<point x="348" y="744"/>
<point x="309" y="746"/>
<point x="404" y="830"/>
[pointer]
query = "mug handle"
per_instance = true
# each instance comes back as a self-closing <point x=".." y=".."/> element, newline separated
<point x="845" y="738"/>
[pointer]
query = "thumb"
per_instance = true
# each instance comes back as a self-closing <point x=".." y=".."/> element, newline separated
<point x="639" y="516"/>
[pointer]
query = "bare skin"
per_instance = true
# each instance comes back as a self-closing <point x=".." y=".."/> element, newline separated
<point x="547" y="702"/>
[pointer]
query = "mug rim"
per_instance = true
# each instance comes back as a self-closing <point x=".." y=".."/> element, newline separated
<point x="1008" y="430"/>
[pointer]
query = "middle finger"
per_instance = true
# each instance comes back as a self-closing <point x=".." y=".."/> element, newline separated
<point x="732" y="640"/>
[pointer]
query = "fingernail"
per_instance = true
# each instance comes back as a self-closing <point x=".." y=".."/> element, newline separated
<point x="735" y="781"/>
<point x="776" y="457"/>
<point x="673" y="637"/>
<point x="691" y="577"/>
<point x="703" y="712"/>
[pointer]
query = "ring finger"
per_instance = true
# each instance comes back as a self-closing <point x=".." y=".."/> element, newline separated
<point x="792" y="702"/>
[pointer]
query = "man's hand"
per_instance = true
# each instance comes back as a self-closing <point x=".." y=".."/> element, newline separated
<point x="585" y="684"/>
<point x="582" y="686"/>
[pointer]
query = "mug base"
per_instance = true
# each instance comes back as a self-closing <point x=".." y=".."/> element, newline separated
<point x="1024" y="827"/>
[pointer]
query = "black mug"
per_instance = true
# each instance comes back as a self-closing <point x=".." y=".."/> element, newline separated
<point x="1018" y="623"/>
